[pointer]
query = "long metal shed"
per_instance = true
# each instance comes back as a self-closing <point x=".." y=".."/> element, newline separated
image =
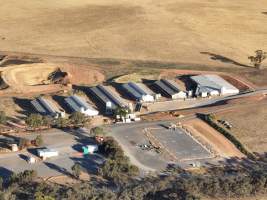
<point x="108" y="99"/>
<point x="137" y="92"/>
<point x="170" y="88"/>
<point x="78" y="104"/>
<point x="212" y="85"/>
<point x="45" y="107"/>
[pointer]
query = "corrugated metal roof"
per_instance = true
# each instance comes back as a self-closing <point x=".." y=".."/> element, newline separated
<point x="170" y="87"/>
<point x="134" y="90"/>
<point x="106" y="96"/>
<point x="212" y="82"/>
<point x="145" y="88"/>
<point x="76" y="103"/>
<point x="44" y="106"/>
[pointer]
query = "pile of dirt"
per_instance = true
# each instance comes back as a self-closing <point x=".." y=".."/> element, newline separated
<point x="59" y="77"/>
<point x="83" y="75"/>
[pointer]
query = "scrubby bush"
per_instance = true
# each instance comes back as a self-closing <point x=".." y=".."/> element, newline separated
<point x="97" y="131"/>
<point x="78" y="119"/>
<point x="37" y="121"/>
<point x="117" y="166"/>
<point x="3" y="117"/>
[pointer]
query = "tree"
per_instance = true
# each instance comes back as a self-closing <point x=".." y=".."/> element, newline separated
<point x="1" y="183"/>
<point x="76" y="170"/>
<point x="40" y="196"/>
<point x="78" y="119"/>
<point x="97" y="131"/>
<point x="258" y="58"/>
<point x="3" y="117"/>
<point x="122" y="111"/>
<point x="23" y="177"/>
<point x="39" y="140"/>
<point x="23" y="143"/>
<point x="61" y="122"/>
<point x="35" y="120"/>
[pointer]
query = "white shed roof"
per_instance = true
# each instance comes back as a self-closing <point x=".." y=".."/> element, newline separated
<point x="209" y="82"/>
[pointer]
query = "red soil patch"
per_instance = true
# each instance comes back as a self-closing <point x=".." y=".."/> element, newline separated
<point x="83" y="74"/>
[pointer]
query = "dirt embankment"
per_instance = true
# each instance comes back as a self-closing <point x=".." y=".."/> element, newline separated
<point x="219" y="143"/>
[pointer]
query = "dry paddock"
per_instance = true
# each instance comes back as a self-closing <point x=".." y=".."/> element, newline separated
<point x="193" y="31"/>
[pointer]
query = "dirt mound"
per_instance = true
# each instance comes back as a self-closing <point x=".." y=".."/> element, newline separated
<point x="83" y="75"/>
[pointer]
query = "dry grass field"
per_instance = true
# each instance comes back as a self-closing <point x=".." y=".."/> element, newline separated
<point x="210" y="32"/>
<point x="249" y="125"/>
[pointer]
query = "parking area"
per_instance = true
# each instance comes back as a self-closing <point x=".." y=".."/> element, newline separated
<point x="176" y="147"/>
<point x="69" y="146"/>
<point x="179" y="144"/>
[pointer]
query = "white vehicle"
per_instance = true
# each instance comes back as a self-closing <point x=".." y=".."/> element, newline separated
<point x="92" y="148"/>
<point x="31" y="160"/>
<point x="47" y="153"/>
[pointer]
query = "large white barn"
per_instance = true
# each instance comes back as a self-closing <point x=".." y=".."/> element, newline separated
<point x="211" y="85"/>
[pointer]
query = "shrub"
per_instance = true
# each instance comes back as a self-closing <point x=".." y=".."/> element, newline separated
<point x="76" y="170"/>
<point x="37" y="120"/>
<point x="23" y="177"/>
<point x="39" y="140"/>
<point x="78" y="119"/>
<point x="3" y="117"/>
<point x="117" y="166"/>
<point x="97" y="131"/>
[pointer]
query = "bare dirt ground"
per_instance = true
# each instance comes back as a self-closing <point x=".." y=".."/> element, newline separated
<point x="83" y="75"/>
<point x="249" y="125"/>
<point x="27" y="74"/>
<point x="219" y="143"/>
<point x="32" y="78"/>
<point x="175" y="30"/>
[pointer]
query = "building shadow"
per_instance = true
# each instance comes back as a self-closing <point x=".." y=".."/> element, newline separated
<point x="57" y="168"/>
<point x="25" y="105"/>
<point x="61" y="101"/>
<point x="5" y="173"/>
<point x="224" y="59"/>
<point x="23" y="157"/>
<point x="89" y="163"/>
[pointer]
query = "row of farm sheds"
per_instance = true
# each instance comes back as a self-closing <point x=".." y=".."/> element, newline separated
<point x="109" y="101"/>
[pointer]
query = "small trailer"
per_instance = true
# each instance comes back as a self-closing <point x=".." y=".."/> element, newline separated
<point x="90" y="149"/>
<point x="47" y="153"/>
